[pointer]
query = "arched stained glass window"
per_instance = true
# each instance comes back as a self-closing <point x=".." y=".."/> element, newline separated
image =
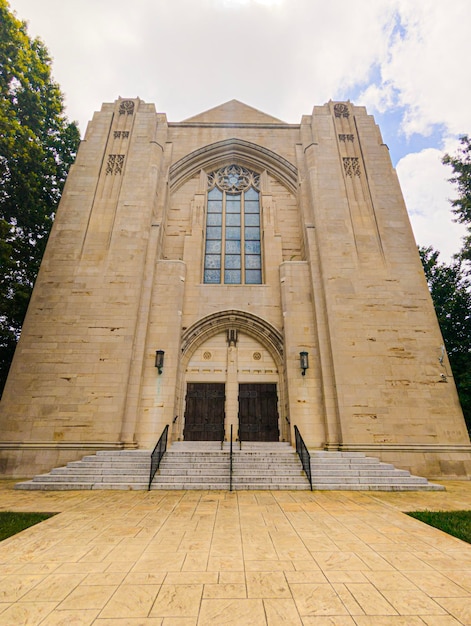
<point x="233" y="244"/>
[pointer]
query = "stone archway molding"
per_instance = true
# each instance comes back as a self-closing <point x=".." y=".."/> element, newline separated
<point x="243" y="152"/>
<point x="243" y="321"/>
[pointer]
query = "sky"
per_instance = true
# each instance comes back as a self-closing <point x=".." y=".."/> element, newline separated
<point x="407" y="61"/>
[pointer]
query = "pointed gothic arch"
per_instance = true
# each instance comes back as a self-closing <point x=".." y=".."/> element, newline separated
<point x="244" y="321"/>
<point x="245" y="153"/>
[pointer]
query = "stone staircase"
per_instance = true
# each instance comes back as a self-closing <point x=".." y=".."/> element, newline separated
<point x="204" y="465"/>
<point x="353" y="471"/>
<point x="110" y="469"/>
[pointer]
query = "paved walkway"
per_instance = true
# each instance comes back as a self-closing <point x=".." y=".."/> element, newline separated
<point x="201" y="558"/>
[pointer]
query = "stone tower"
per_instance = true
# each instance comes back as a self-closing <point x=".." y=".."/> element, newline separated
<point x="273" y="268"/>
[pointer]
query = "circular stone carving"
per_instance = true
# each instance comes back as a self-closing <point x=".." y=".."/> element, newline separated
<point x="341" y="110"/>
<point x="257" y="356"/>
<point x="126" y="106"/>
<point x="233" y="178"/>
<point x="207" y="355"/>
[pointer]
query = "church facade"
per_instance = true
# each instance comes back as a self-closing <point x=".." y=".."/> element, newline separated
<point x="232" y="270"/>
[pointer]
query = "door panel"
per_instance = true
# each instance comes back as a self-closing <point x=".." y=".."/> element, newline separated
<point x="258" y="412"/>
<point x="204" y="412"/>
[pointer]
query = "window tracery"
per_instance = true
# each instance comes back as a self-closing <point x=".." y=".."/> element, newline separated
<point x="233" y="178"/>
<point x="233" y="241"/>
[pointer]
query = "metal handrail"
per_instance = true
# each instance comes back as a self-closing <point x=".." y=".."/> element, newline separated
<point x="230" y="463"/>
<point x="157" y="454"/>
<point x="303" y="454"/>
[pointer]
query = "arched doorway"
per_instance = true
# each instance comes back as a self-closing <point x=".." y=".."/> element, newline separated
<point x="232" y="375"/>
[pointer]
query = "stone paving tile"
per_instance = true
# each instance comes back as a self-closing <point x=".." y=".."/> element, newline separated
<point x="441" y="620"/>
<point x="177" y="601"/>
<point x="131" y="601"/>
<point x="26" y="613"/>
<point x="225" y="590"/>
<point x="317" y="599"/>
<point x="458" y="607"/>
<point x="391" y="620"/>
<point x="231" y="612"/>
<point x="436" y="585"/>
<point x="267" y="585"/>
<point x="88" y="597"/>
<point x="281" y="612"/>
<point x="266" y="558"/>
<point x="71" y="618"/>
<point x="461" y="577"/>
<point x="231" y="577"/>
<point x="413" y="602"/>
<point x="146" y="621"/>
<point x="54" y="588"/>
<point x="348" y="599"/>
<point x="338" y="620"/>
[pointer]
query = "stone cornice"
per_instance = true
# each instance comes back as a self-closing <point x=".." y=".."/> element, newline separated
<point x="232" y="125"/>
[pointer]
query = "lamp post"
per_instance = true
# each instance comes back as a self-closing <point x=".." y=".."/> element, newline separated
<point x="159" y="360"/>
<point x="303" y="362"/>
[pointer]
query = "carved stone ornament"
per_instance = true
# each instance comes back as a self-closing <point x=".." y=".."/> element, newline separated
<point x="231" y="336"/>
<point x="345" y="137"/>
<point x="233" y="178"/>
<point x="351" y="166"/>
<point x="115" y="164"/>
<point x="341" y="110"/>
<point x="117" y="134"/>
<point x="126" y="107"/>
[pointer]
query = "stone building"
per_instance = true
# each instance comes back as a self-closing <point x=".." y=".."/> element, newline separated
<point x="271" y="268"/>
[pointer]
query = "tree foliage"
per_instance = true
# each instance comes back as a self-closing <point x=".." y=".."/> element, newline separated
<point x="461" y="165"/>
<point x="37" y="146"/>
<point x="450" y="288"/>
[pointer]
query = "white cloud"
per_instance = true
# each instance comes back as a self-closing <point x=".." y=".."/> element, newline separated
<point x="427" y="66"/>
<point x="427" y="191"/>
<point x="281" y="56"/>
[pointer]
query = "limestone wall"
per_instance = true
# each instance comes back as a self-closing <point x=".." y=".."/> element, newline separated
<point x="122" y="277"/>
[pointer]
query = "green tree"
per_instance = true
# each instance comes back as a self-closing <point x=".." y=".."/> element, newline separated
<point x="37" y="146"/>
<point x="450" y="288"/>
<point x="461" y="165"/>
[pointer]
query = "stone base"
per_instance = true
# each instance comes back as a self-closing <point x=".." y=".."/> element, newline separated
<point x="435" y="461"/>
<point x="24" y="460"/>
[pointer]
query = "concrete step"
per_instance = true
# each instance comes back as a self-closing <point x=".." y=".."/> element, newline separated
<point x="377" y="487"/>
<point x="96" y="467"/>
<point x="370" y="479"/>
<point x="203" y="465"/>
<point x="98" y="478"/>
<point x="59" y="486"/>
<point x="235" y="486"/>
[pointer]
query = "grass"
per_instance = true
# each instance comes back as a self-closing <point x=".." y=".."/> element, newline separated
<point x="456" y="523"/>
<point x="12" y="523"/>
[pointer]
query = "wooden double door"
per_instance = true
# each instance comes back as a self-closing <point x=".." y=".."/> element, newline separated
<point x="205" y="412"/>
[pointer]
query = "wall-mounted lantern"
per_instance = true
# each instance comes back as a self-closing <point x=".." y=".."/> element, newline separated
<point x="159" y="360"/>
<point x="303" y="362"/>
